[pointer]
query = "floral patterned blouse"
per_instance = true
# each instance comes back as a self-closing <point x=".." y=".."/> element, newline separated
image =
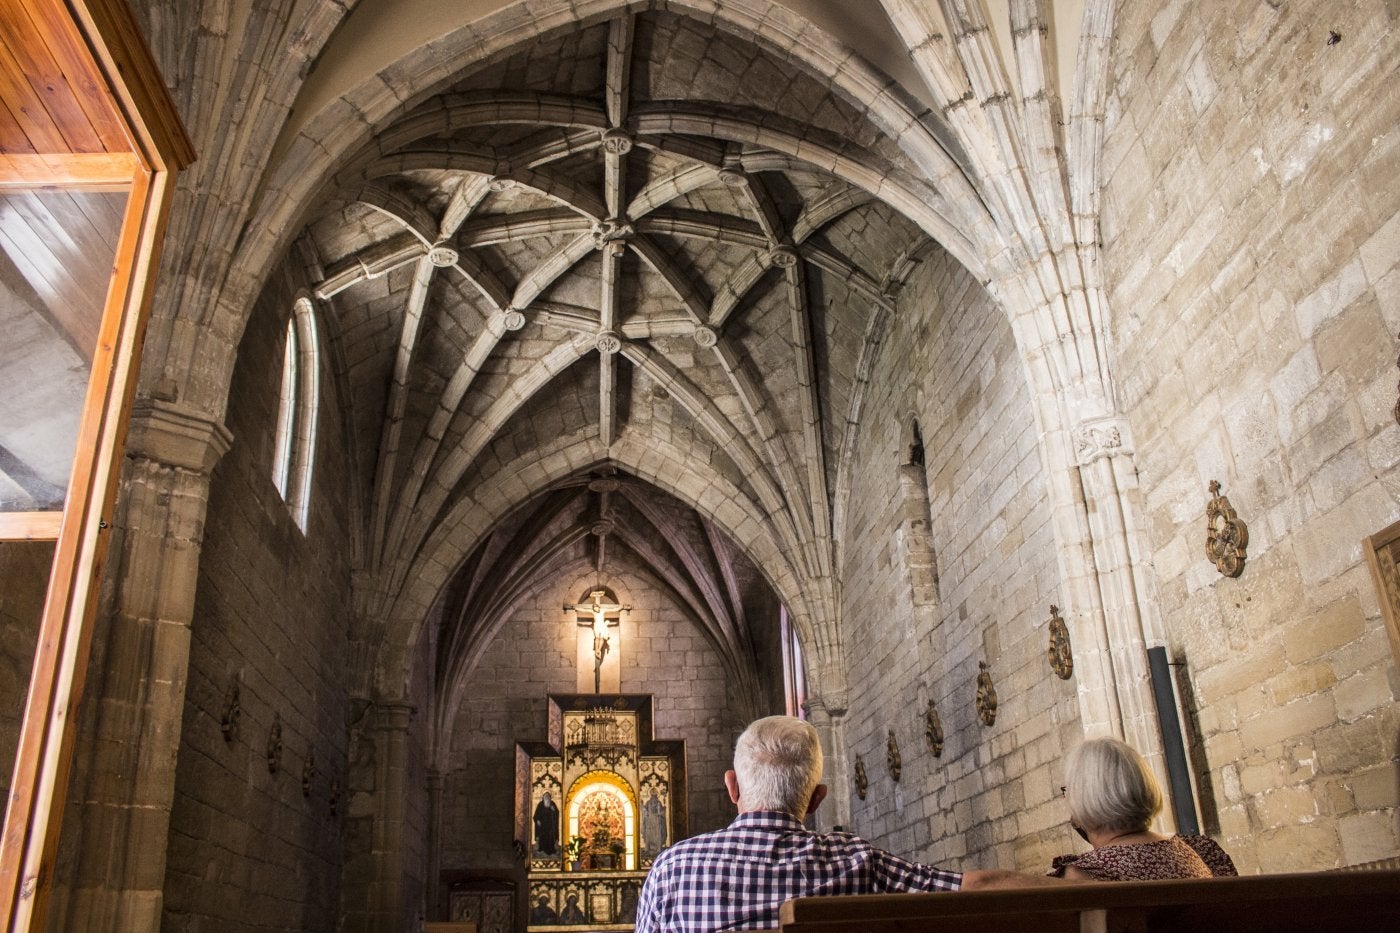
<point x="1177" y="857"/>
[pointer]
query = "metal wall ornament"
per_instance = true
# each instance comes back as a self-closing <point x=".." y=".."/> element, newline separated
<point x="933" y="730"/>
<point x="986" y="696"/>
<point x="862" y="782"/>
<point x="233" y="711"/>
<point x="1397" y="391"/>
<point x="308" y="773"/>
<point x="896" y="764"/>
<point x="1226" y="535"/>
<point x="1061" y="660"/>
<point x="274" y="745"/>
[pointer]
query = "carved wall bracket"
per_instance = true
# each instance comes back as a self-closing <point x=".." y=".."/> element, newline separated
<point x="1227" y="536"/>
<point x="896" y="764"/>
<point x="862" y="782"/>
<point x="933" y="730"/>
<point x="986" y="696"/>
<point x="1061" y="659"/>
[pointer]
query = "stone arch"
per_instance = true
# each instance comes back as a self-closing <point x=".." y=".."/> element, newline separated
<point x="319" y="149"/>
<point x="650" y="459"/>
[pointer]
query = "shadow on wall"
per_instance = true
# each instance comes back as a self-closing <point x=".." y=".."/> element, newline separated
<point x="1196" y="749"/>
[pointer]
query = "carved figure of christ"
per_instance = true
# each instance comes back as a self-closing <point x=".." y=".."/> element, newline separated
<point x="595" y="616"/>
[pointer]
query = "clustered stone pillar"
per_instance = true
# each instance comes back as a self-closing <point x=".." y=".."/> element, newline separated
<point x="827" y="715"/>
<point x="125" y="774"/>
<point x="383" y="904"/>
<point x="435" y="784"/>
<point x="1127" y="624"/>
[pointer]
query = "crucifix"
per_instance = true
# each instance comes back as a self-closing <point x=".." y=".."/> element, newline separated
<point x="595" y="616"/>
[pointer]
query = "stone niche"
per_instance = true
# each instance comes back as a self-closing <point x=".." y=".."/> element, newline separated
<point x="596" y="803"/>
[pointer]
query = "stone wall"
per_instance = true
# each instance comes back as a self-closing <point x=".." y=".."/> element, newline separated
<point x="24" y="568"/>
<point x="1251" y="239"/>
<point x="248" y="849"/>
<point x="534" y="654"/>
<point x="950" y="361"/>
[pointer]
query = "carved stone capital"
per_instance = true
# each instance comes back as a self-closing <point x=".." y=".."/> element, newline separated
<point x="834" y="705"/>
<point x="1094" y="440"/>
<point x="163" y="432"/>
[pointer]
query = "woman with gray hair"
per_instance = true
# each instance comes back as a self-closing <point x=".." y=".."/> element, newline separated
<point x="1113" y="799"/>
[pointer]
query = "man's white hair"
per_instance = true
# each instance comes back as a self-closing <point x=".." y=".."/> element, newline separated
<point x="778" y="764"/>
<point x="1110" y="788"/>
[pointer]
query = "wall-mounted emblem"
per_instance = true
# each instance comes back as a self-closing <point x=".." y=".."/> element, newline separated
<point x="1061" y="660"/>
<point x="1226" y="535"/>
<point x="892" y="758"/>
<point x="933" y="730"/>
<point x="274" y="744"/>
<point x="862" y="782"/>
<point x="308" y="773"/>
<point x="233" y="711"/>
<point x="986" y="696"/>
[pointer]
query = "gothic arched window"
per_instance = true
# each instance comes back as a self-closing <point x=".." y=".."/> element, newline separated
<point x="294" y="453"/>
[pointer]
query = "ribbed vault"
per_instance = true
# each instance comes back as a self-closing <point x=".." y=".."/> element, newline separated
<point x="586" y="257"/>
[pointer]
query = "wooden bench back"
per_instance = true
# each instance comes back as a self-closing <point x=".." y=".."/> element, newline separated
<point x="1305" y="903"/>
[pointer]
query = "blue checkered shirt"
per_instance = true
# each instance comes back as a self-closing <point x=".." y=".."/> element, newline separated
<point x="737" y="877"/>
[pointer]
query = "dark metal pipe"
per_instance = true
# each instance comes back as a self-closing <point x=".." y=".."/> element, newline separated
<point x="1178" y="773"/>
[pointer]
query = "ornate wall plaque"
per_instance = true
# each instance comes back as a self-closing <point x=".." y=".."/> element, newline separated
<point x="1061" y="661"/>
<point x="933" y="730"/>
<point x="861" y="781"/>
<point x="892" y="758"/>
<point x="986" y="696"/>
<point x="274" y="744"/>
<point x="1226" y="535"/>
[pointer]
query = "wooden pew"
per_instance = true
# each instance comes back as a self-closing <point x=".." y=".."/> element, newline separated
<point x="1293" y="903"/>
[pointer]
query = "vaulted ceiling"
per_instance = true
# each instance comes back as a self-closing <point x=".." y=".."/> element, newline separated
<point x="584" y="264"/>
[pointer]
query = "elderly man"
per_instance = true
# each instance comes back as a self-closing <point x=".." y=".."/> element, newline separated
<point x="737" y="877"/>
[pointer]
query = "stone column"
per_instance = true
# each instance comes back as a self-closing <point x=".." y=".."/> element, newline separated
<point x="435" y="783"/>
<point x="1124" y="624"/>
<point x="125" y="775"/>
<point x="827" y="714"/>
<point x="389" y="907"/>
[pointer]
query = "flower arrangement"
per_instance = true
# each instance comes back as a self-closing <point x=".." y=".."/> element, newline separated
<point x="574" y="848"/>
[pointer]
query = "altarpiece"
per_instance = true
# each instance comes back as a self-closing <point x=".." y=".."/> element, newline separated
<point x="596" y="803"/>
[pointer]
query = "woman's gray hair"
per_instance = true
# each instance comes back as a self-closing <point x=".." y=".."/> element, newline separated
<point x="1110" y="788"/>
<point x="778" y="763"/>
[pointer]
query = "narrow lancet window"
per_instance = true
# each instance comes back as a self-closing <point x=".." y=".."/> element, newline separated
<point x="294" y="453"/>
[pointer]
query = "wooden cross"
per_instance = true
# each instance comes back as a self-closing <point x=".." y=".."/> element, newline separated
<point x="597" y="619"/>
